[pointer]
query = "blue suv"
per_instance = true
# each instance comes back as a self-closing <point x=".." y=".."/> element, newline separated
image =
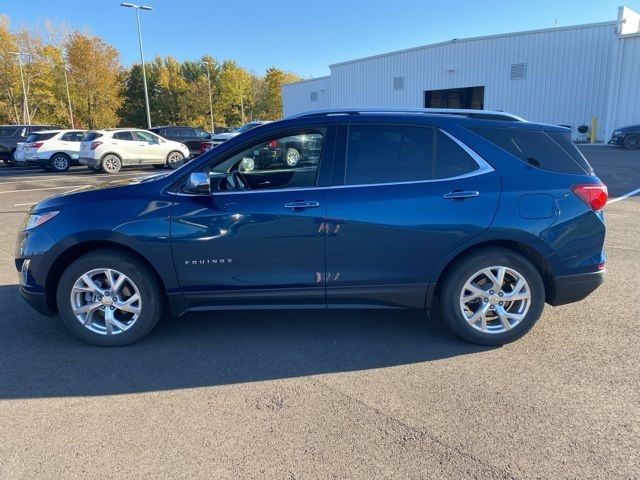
<point x="479" y="213"/>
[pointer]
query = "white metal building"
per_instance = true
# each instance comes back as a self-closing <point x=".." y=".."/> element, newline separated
<point x="562" y="76"/>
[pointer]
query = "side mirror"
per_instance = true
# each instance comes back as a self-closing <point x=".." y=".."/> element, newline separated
<point x="198" y="182"/>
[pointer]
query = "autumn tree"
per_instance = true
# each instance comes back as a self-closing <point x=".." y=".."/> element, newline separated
<point x="96" y="74"/>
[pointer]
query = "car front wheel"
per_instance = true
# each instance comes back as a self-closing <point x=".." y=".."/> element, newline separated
<point x="492" y="297"/>
<point x="632" y="141"/>
<point x="109" y="298"/>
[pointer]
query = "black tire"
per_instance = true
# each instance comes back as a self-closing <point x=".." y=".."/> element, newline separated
<point x="632" y="141"/>
<point x="60" y="162"/>
<point x="111" y="163"/>
<point x="132" y="267"/>
<point x="452" y="288"/>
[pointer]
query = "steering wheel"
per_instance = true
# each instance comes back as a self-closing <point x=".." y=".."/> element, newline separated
<point x="238" y="182"/>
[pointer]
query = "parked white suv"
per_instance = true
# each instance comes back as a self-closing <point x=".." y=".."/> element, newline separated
<point x="111" y="149"/>
<point x="54" y="150"/>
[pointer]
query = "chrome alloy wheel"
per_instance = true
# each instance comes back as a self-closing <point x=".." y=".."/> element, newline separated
<point x="60" y="163"/>
<point x="106" y="301"/>
<point x="111" y="164"/>
<point x="175" y="159"/>
<point x="292" y="157"/>
<point x="495" y="299"/>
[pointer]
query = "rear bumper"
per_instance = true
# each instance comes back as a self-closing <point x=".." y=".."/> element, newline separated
<point x="573" y="288"/>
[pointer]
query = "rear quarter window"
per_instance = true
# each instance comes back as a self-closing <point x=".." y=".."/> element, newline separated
<point x="91" y="136"/>
<point x="553" y="151"/>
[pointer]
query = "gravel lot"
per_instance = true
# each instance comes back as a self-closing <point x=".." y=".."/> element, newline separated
<point x="296" y="395"/>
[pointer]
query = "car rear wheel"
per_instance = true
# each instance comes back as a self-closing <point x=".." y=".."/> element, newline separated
<point x="492" y="297"/>
<point x="291" y="157"/>
<point x="111" y="164"/>
<point x="60" y="162"/>
<point x="109" y="298"/>
<point x="175" y="160"/>
<point x="632" y="141"/>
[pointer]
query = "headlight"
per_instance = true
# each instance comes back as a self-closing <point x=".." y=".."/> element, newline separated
<point x="36" y="219"/>
<point x="617" y="132"/>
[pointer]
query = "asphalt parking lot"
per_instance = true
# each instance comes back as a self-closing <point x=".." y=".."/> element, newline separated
<point x="296" y="395"/>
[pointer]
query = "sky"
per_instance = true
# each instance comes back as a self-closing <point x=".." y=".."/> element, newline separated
<point x="301" y="36"/>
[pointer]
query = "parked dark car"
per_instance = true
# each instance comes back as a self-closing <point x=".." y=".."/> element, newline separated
<point x="627" y="137"/>
<point x="489" y="218"/>
<point x="191" y="137"/>
<point x="11" y="135"/>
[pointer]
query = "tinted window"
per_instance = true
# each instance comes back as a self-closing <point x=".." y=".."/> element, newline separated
<point x="451" y="159"/>
<point x="188" y="133"/>
<point x="202" y="134"/>
<point x="39" y="137"/>
<point x="286" y="161"/>
<point x="72" y="137"/>
<point x="123" y="136"/>
<point x="564" y="140"/>
<point x="8" y="131"/>
<point x="170" y="133"/>
<point x="386" y="153"/>
<point x="91" y="136"/>
<point x="535" y="147"/>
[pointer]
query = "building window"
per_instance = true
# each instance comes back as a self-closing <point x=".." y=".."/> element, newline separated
<point x="518" y="71"/>
<point x="398" y="83"/>
<point x="314" y="96"/>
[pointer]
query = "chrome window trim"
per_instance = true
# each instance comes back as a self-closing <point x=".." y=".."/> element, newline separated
<point x="483" y="168"/>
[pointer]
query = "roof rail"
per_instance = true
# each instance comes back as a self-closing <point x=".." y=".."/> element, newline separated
<point x="486" y="114"/>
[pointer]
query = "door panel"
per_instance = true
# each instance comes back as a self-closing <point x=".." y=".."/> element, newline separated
<point x="389" y="239"/>
<point x="262" y="245"/>
<point x="248" y="248"/>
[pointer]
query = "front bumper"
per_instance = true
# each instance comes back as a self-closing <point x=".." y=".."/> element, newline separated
<point x="616" y="140"/>
<point x="37" y="300"/>
<point x="573" y="288"/>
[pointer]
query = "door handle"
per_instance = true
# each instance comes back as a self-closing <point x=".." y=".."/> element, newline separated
<point x="461" y="194"/>
<point x="301" y="204"/>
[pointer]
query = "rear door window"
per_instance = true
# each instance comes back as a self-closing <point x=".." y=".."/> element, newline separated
<point x="538" y="148"/>
<point x="123" y="136"/>
<point x="72" y="137"/>
<point x="8" y="131"/>
<point x="389" y="153"/>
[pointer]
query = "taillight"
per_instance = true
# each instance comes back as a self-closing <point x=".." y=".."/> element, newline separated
<point x="95" y="145"/>
<point x="205" y="146"/>
<point x="273" y="144"/>
<point x="37" y="144"/>
<point x="594" y="195"/>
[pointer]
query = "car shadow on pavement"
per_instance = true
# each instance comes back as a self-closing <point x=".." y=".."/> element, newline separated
<point x="39" y="358"/>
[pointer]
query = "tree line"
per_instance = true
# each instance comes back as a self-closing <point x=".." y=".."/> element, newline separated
<point x="65" y="66"/>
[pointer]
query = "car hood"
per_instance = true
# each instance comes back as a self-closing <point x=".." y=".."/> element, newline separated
<point x="629" y="127"/>
<point x="90" y="192"/>
<point x="224" y="136"/>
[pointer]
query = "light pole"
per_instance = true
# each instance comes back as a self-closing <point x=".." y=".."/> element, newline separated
<point x="210" y="98"/>
<point x="144" y="74"/>
<point x="25" y="102"/>
<point x="66" y="83"/>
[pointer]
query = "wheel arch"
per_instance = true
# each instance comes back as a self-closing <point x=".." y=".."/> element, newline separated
<point x="76" y="251"/>
<point x="59" y="153"/>
<point x="534" y="255"/>
<point x="111" y="153"/>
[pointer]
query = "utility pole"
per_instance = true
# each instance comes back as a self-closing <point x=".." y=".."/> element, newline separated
<point x="210" y="97"/>
<point x="144" y="73"/>
<point x="26" y="118"/>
